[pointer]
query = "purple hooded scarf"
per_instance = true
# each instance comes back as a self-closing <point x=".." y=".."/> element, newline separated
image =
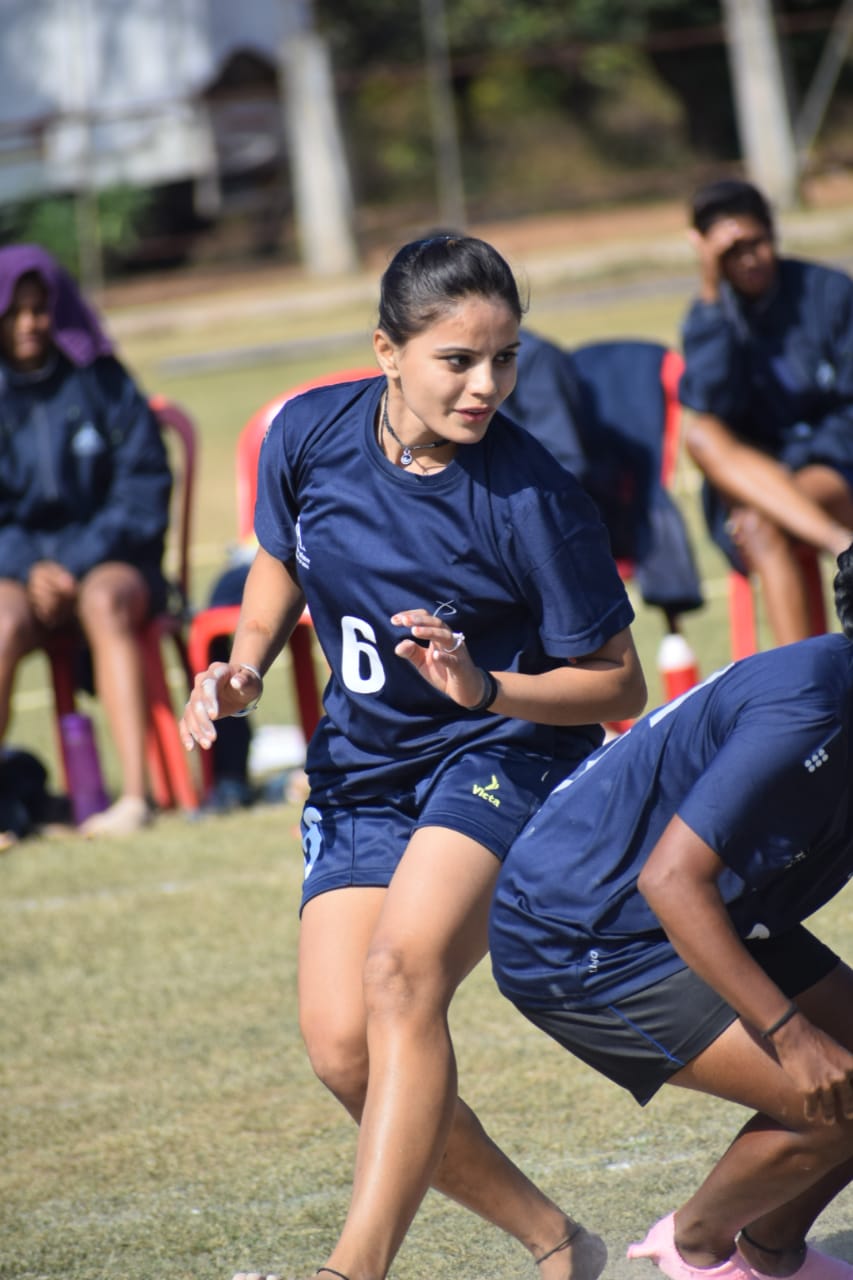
<point x="77" y="331"/>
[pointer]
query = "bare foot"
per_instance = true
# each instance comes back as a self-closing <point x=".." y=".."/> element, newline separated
<point x="582" y="1257"/>
<point x="127" y="815"/>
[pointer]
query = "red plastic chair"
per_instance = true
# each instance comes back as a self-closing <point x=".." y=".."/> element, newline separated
<point x="170" y="773"/>
<point x="221" y="620"/>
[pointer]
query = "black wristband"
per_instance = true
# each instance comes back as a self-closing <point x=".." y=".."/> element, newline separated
<point x="790" y="1012"/>
<point x="490" y="692"/>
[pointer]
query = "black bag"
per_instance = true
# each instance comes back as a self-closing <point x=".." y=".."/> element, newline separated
<point x="24" y="799"/>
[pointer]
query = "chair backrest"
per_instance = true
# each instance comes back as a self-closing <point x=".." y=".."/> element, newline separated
<point x="179" y="428"/>
<point x="252" y="436"/>
<point x="628" y="420"/>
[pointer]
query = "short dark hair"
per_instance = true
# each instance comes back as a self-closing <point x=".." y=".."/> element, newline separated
<point x="427" y="276"/>
<point x="729" y="198"/>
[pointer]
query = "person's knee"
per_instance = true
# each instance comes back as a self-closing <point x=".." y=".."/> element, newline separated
<point x="111" y="599"/>
<point x="338" y="1057"/>
<point x="398" y="983"/>
<point x="828" y="1143"/>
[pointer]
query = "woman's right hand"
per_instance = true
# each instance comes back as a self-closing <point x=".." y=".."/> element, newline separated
<point x="819" y="1066"/>
<point x="223" y="689"/>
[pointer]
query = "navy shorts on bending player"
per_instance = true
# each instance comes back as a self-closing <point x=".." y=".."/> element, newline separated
<point x="643" y="1039"/>
<point x="488" y="795"/>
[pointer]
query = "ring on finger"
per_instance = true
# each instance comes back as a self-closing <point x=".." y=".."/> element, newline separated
<point x="458" y="638"/>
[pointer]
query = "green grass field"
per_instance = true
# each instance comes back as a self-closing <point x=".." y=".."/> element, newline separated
<point x="159" y="1119"/>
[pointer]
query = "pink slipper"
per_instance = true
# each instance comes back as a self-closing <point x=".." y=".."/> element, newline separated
<point x="659" y="1245"/>
<point x="815" y="1266"/>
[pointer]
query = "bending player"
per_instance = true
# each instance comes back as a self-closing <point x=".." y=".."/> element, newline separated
<point x="649" y="920"/>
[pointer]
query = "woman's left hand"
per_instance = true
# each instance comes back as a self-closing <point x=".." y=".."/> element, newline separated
<point x="444" y="660"/>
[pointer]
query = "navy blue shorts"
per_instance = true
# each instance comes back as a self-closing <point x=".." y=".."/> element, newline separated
<point x="644" y="1038"/>
<point x="487" y="794"/>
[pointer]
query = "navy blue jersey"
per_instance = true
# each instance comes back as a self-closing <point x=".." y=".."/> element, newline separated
<point x="756" y="761"/>
<point x="503" y="543"/>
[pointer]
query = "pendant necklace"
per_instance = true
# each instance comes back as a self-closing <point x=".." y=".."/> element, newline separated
<point x="407" y="456"/>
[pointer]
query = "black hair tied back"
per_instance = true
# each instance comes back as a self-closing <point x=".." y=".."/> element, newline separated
<point x="843" y="586"/>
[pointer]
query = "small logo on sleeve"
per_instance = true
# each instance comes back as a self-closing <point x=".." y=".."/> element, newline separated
<point x="816" y="759"/>
<point x="488" y="791"/>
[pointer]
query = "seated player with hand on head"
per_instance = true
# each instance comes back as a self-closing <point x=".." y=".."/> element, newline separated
<point x="649" y="919"/>
<point x="768" y="348"/>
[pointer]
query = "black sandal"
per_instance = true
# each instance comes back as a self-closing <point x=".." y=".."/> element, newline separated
<point x="564" y="1244"/>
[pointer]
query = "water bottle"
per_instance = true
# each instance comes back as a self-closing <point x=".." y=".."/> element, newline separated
<point x="82" y="766"/>
<point x="677" y="664"/>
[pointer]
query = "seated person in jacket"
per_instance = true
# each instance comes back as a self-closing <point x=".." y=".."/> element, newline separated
<point x="84" y="504"/>
<point x="768" y="346"/>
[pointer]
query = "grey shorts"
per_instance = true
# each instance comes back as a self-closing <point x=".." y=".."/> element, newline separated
<point x="643" y="1039"/>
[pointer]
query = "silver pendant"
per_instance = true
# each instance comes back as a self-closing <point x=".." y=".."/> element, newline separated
<point x="406" y="458"/>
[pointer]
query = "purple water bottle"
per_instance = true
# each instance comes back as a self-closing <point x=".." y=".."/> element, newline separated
<point x="82" y="766"/>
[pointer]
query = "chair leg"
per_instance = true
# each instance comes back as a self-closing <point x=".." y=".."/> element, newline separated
<point x="814" y="592"/>
<point x="158" y="778"/>
<point x="209" y="625"/>
<point x="171" y="771"/>
<point x="742" y="628"/>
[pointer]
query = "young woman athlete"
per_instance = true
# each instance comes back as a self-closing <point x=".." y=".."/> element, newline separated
<point x="650" y="920"/>
<point x="477" y="632"/>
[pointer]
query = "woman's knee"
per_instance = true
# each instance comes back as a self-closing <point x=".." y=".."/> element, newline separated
<point x="338" y="1057"/>
<point x="400" y="983"/>
<point x="829" y="1143"/>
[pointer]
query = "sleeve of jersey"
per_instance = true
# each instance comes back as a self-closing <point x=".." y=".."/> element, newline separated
<point x="832" y="435"/>
<point x="276" y="512"/>
<point x="714" y="379"/>
<point x="560" y="551"/>
<point x="770" y="787"/>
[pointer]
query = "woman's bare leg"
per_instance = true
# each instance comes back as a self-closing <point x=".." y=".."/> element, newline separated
<point x="828" y="1006"/>
<point x="773" y="509"/>
<point x="112" y="605"/>
<point x="772" y="555"/>
<point x="19" y="635"/>
<point x="451" y="1149"/>
<point x="749" y="478"/>
<point x="781" y="1170"/>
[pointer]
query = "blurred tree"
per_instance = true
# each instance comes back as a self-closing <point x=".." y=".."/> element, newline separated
<point x="603" y="97"/>
<point x="52" y="223"/>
